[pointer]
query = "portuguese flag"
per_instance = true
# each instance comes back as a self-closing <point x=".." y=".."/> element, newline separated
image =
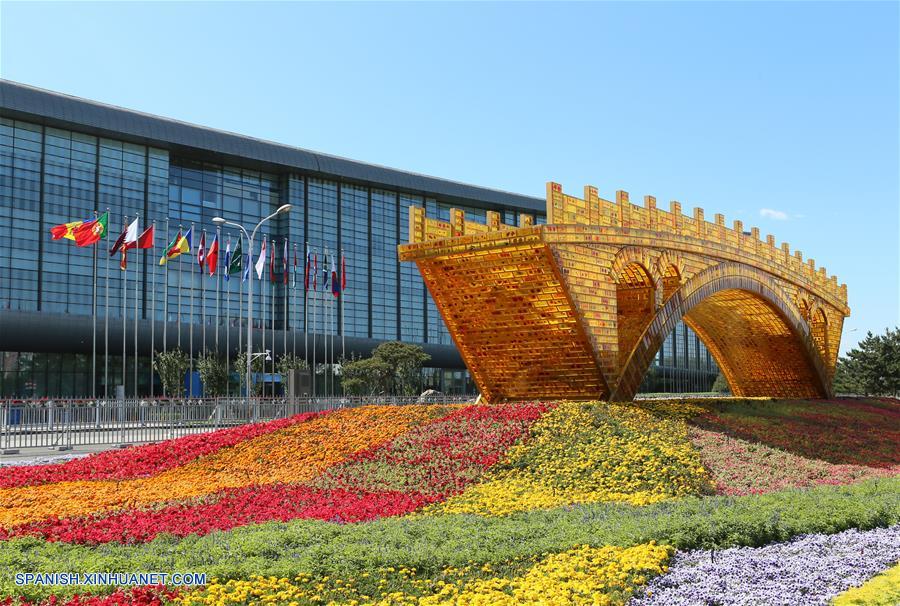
<point x="91" y="232"/>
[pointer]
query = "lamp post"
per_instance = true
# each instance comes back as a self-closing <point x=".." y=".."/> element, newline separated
<point x="221" y="221"/>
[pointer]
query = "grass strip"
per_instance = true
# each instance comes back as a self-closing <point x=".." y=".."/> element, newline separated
<point x="433" y="543"/>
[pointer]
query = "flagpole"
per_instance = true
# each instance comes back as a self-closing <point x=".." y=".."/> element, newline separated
<point x="325" y="317"/>
<point x="314" y="272"/>
<point x="203" y="297"/>
<point x="262" y="297"/>
<point x="294" y="307"/>
<point x="166" y="291"/>
<point x="306" y="306"/>
<point x="241" y="303"/>
<point x="218" y="287"/>
<point x="94" y="329"/>
<point x="180" y="227"/>
<point x="343" y="306"/>
<point x="227" y="319"/>
<point x="333" y="327"/>
<point x="287" y="308"/>
<point x="273" y="337"/>
<point x="137" y="282"/>
<point x="152" y="311"/>
<point x="106" y="325"/>
<point x="191" y="325"/>
<point x="124" y="310"/>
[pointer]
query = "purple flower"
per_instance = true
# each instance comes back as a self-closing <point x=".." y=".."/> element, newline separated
<point x="808" y="570"/>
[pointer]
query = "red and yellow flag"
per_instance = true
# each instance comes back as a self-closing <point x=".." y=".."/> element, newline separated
<point x="65" y="230"/>
<point x="84" y="233"/>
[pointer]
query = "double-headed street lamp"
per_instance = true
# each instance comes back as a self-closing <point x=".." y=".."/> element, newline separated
<point x="220" y="221"/>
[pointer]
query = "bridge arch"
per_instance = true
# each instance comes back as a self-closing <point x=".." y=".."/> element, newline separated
<point x="754" y="331"/>
<point x="671" y="269"/>
<point x="635" y="303"/>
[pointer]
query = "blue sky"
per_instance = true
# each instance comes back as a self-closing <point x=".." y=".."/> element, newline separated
<point x="734" y="107"/>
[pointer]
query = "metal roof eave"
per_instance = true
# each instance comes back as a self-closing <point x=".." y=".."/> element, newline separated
<point x="57" y="109"/>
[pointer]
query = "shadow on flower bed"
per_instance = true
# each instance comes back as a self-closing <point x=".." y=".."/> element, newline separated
<point x="842" y="431"/>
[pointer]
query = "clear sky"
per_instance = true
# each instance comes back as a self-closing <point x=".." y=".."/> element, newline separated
<point x="784" y="115"/>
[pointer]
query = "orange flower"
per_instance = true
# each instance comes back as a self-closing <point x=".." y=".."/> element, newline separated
<point x="294" y="454"/>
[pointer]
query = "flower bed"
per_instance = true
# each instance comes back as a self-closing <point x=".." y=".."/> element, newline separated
<point x="530" y="487"/>
<point x="811" y="569"/>
<point x="848" y="432"/>
<point x="292" y="454"/>
<point x="582" y="575"/>
<point x="881" y="590"/>
<point x="142" y="461"/>
<point x="136" y="596"/>
<point x="587" y="452"/>
<point x="741" y="467"/>
<point x="422" y="466"/>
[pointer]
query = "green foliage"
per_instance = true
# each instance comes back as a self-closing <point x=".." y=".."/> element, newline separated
<point x="720" y="385"/>
<point x="171" y="366"/>
<point x="212" y="373"/>
<point x="431" y="543"/>
<point x="394" y="369"/>
<point x="365" y="377"/>
<point x="406" y="360"/>
<point x="289" y="362"/>
<point x="873" y="367"/>
<point x="258" y="365"/>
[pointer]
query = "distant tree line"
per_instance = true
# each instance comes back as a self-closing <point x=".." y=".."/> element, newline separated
<point x="872" y="367"/>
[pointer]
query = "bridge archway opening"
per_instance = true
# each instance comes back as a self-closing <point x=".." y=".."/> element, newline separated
<point x="635" y="305"/>
<point x="758" y="339"/>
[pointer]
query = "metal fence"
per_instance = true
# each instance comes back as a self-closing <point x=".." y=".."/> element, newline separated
<point x="63" y="424"/>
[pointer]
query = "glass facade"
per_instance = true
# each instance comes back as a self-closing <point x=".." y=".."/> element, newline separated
<point x="49" y="176"/>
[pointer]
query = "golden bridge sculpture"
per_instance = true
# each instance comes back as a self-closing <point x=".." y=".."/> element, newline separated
<point x="578" y="308"/>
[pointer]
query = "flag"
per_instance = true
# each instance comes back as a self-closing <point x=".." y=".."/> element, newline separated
<point x="272" y="264"/>
<point x="228" y="259"/>
<point x="343" y="273"/>
<point x="126" y="240"/>
<point x="65" y="230"/>
<point x="145" y="240"/>
<point x="131" y="236"/>
<point x="120" y="241"/>
<point x="315" y="271"/>
<point x="261" y="261"/>
<point x="308" y="266"/>
<point x="294" y="277"/>
<point x="201" y="250"/>
<point x="284" y="262"/>
<point x="237" y="258"/>
<point x="247" y="264"/>
<point x="178" y="246"/>
<point x="91" y="232"/>
<point x="212" y="257"/>
<point x="325" y="271"/>
<point x="335" y="285"/>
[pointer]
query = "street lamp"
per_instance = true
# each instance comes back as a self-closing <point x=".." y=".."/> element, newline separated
<point x="221" y="221"/>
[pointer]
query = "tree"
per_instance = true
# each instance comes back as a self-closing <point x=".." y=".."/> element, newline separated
<point x="872" y="367"/>
<point x="720" y="385"/>
<point x="366" y="377"/>
<point x="289" y="362"/>
<point x="212" y="373"/>
<point x="406" y="360"/>
<point x="171" y="366"/>
<point x="240" y="366"/>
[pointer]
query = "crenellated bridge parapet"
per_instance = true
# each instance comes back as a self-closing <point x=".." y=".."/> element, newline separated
<point x="578" y="307"/>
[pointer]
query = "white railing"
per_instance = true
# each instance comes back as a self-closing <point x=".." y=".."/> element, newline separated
<point x="64" y="424"/>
